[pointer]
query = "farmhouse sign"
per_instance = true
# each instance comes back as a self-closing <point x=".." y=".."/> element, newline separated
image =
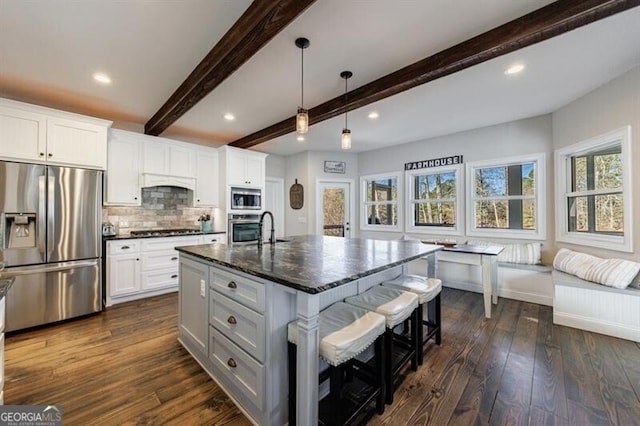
<point x="436" y="162"/>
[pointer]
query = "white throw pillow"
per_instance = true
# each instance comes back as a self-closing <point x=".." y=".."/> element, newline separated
<point x="616" y="273"/>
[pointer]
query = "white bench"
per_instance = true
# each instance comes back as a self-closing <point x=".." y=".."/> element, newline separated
<point x="594" y="307"/>
<point x="528" y="283"/>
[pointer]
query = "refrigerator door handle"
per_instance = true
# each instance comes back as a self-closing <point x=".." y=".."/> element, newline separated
<point x="51" y="213"/>
<point x="42" y="218"/>
<point x="65" y="266"/>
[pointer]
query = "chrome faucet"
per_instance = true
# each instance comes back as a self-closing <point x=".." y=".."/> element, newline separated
<point x="272" y="237"/>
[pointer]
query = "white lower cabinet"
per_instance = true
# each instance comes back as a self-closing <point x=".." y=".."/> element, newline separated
<point x="246" y="346"/>
<point x="145" y="267"/>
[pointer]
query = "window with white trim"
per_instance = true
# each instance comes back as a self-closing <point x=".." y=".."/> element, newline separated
<point x="506" y="197"/>
<point x="433" y="195"/>
<point x="380" y="202"/>
<point x="593" y="192"/>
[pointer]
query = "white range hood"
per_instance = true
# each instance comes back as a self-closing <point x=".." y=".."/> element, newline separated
<point x="153" y="179"/>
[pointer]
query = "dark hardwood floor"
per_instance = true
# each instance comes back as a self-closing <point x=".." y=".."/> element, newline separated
<point x="125" y="366"/>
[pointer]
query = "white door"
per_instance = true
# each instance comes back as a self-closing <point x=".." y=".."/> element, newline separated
<point x="334" y="209"/>
<point x="274" y="202"/>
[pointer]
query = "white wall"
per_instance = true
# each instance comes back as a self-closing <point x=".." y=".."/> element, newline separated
<point x="609" y="107"/>
<point x="527" y="136"/>
<point x="308" y="167"/>
<point x="276" y="166"/>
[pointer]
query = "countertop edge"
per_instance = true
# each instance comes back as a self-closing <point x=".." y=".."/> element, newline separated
<point x="144" y="237"/>
<point x="295" y="286"/>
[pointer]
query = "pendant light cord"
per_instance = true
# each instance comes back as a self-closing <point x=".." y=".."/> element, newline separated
<point x="302" y="79"/>
<point x="345" y="103"/>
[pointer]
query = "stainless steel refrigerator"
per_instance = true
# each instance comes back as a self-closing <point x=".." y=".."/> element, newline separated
<point x="50" y="240"/>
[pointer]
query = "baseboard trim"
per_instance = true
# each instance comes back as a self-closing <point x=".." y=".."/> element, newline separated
<point x="598" y="326"/>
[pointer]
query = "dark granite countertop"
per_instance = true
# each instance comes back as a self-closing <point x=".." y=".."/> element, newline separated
<point x="135" y="237"/>
<point x="5" y="285"/>
<point x="313" y="263"/>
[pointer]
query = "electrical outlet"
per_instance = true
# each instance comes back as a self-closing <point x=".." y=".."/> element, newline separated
<point x="202" y="288"/>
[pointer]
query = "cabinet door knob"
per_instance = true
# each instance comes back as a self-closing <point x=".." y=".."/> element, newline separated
<point x="137" y="259"/>
<point x="135" y="198"/>
<point x="232" y="363"/>
<point x="198" y="200"/>
<point x="42" y="154"/>
<point x="174" y="276"/>
<point x="232" y="320"/>
<point x="232" y="284"/>
<point x="125" y="248"/>
<point x="50" y="155"/>
<point x="174" y="258"/>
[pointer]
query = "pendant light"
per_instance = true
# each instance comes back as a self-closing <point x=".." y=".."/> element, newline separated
<point x="302" y="117"/>
<point x="345" y="140"/>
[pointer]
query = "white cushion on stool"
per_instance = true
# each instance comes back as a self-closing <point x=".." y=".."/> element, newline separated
<point x="345" y="331"/>
<point x="395" y="305"/>
<point x="426" y="288"/>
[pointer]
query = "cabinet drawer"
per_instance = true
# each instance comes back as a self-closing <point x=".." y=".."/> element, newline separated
<point x="248" y="292"/>
<point x="243" y="326"/>
<point x="166" y="259"/>
<point x="168" y="243"/>
<point x="123" y="247"/>
<point x="160" y="279"/>
<point x="245" y="373"/>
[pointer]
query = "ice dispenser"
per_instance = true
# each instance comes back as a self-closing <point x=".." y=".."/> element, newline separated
<point x="19" y="230"/>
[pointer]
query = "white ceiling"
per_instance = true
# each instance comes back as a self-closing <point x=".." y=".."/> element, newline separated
<point x="50" y="48"/>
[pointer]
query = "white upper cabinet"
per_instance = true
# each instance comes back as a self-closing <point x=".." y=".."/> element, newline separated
<point x="244" y="168"/>
<point x="168" y="158"/>
<point x="31" y="133"/>
<point x="206" y="194"/>
<point x="122" y="186"/>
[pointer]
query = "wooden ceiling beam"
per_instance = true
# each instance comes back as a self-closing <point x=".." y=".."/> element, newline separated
<point x="542" y="24"/>
<point x="262" y="20"/>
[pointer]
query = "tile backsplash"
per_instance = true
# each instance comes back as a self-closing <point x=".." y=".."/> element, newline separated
<point x="162" y="207"/>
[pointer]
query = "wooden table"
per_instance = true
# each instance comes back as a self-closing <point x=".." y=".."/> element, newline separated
<point x="485" y="257"/>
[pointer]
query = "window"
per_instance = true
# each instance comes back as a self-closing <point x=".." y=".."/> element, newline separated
<point x="506" y="197"/>
<point x="593" y="194"/>
<point x="380" y="203"/>
<point x="433" y="194"/>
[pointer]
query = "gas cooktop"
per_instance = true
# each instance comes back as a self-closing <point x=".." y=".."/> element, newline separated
<point x="164" y="232"/>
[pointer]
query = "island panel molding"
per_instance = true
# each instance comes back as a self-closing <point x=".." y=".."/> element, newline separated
<point x="542" y="24"/>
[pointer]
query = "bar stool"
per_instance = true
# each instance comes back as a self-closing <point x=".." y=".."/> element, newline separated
<point x="345" y="331"/>
<point x="396" y="306"/>
<point x="428" y="291"/>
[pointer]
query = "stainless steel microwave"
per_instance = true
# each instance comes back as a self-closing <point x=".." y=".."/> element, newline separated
<point x="246" y="199"/>
<point x="243" y="229"/>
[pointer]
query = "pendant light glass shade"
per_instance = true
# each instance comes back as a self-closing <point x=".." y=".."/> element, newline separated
<point x="302" y="121"/>
<point x="302" y="117"/>
<point x="346" y="139"/>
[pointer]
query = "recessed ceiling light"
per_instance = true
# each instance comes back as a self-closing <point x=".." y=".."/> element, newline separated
<point x="101" y="77"/>
<point x="514" y="69"/>
<point x="373" y="115"/>
<point x="229" y="117"/>
<point x="300" y="138"/>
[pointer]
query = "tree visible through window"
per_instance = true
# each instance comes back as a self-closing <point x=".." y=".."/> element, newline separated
<point x="435" y="199"/>
<point x="380" y="200"/>
<point x="505" y="196"/>
<point x="596" y="201"/>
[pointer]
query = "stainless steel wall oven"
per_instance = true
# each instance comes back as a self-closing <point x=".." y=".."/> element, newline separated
<point x="243" y="229"/>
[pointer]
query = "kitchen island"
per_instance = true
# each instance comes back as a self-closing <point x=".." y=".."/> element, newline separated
<point x="235" y="303"/>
